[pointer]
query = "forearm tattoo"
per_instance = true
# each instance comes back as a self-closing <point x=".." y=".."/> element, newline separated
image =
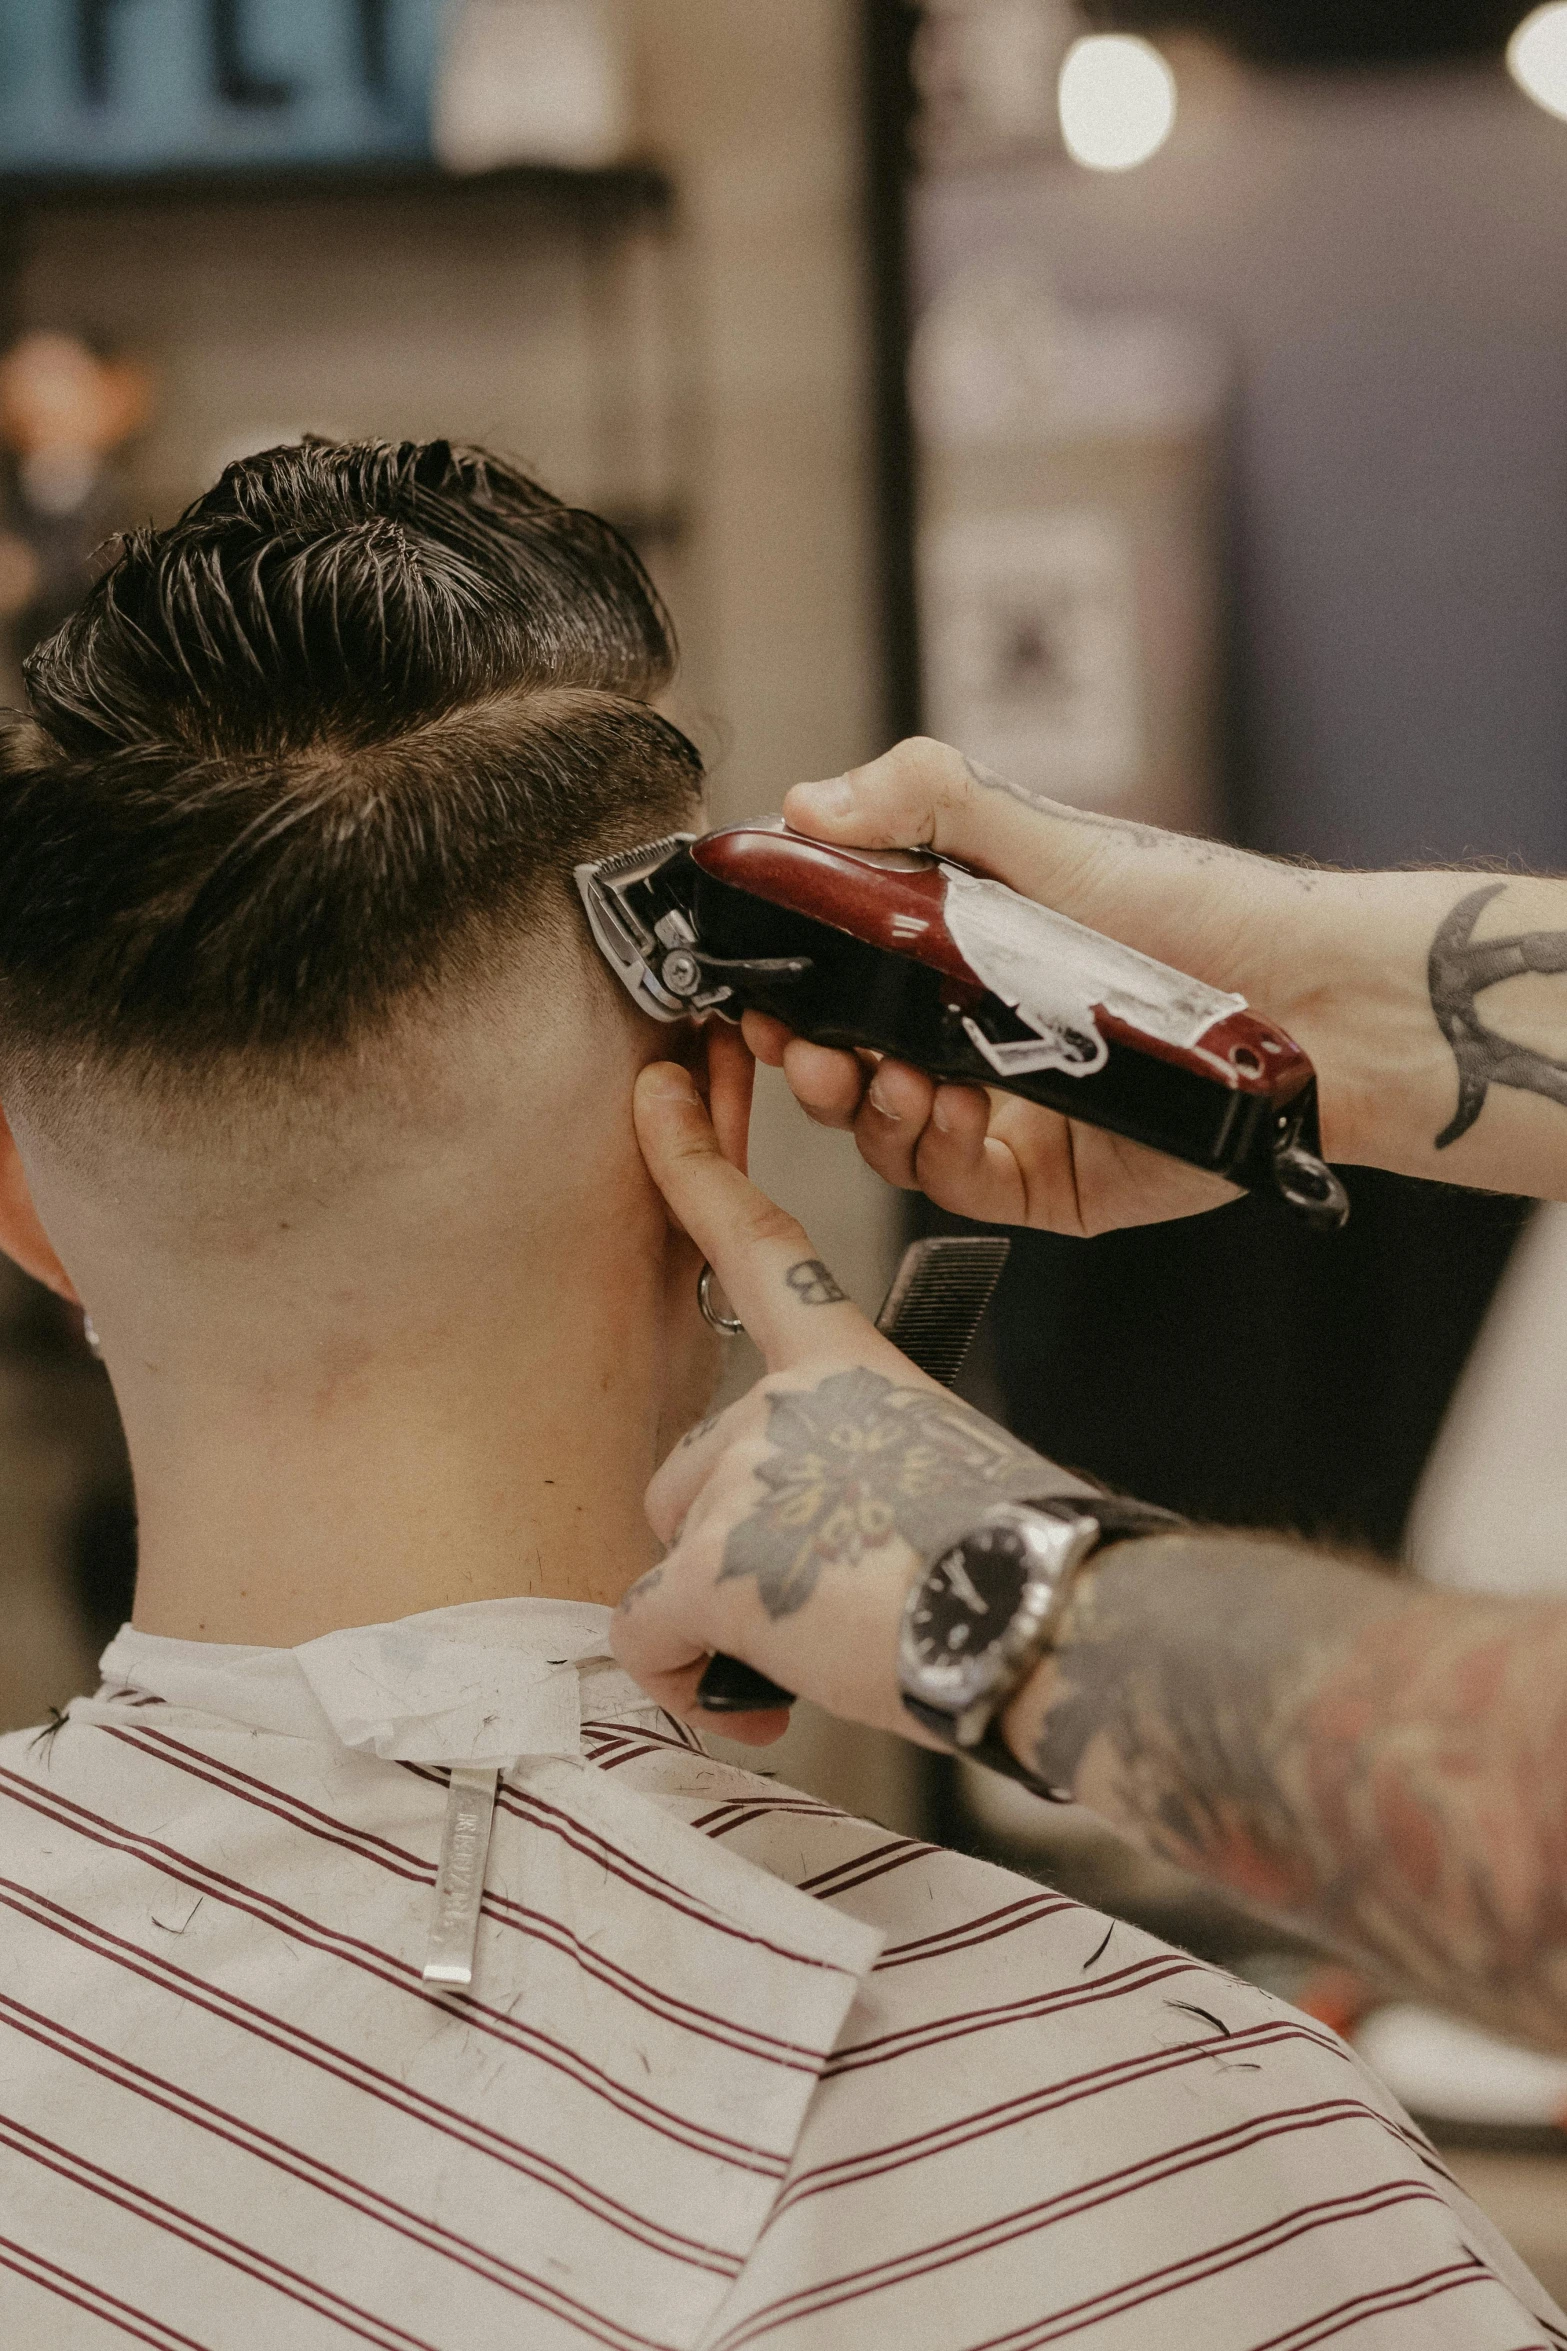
<point x="1460" y="969"/>
<point x="857" y="1462"/>
<point x="1386" y="1769"/>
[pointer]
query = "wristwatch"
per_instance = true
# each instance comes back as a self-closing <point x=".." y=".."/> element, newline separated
<point x="983" y="1614"/>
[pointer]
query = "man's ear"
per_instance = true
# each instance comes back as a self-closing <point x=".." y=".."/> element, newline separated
<point x="731" y="1075"/>
<point x="22" y="1237"/>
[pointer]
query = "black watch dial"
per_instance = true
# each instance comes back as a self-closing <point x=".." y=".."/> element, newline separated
<point x="965" y="1605"/>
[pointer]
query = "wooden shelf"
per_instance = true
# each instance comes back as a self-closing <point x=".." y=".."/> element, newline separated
<point x="617" y="192"/>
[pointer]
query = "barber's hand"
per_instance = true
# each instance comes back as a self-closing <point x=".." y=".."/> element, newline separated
<point x="798" y="1518"/>
<point x="1237" y="921"/>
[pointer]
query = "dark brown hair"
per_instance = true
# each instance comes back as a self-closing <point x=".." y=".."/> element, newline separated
<point x="320" y="746"/>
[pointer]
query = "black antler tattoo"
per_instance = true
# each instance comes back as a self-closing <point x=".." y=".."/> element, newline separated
<point x="1459" y="969"/>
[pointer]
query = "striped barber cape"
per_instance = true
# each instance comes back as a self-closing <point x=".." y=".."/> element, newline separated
<point x="735" y="2068"/>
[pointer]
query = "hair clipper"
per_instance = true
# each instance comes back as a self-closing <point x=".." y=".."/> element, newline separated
<point x="909" y="954"/>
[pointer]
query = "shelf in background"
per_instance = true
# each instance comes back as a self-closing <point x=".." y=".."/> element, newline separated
<point x="616" y="192"/>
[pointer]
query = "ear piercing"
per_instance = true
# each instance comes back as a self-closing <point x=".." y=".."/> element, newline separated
<point x="90" y="1334"/>
<point x="730" y="1324"/>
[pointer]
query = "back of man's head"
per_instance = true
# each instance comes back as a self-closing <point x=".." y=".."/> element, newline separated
<point x="316" y="755"/>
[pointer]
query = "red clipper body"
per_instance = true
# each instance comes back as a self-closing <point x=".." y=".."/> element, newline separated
<point x="913" y="955"/>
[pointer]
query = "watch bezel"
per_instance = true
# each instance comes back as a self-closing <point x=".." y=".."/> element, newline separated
<point x="968" y="1692"/>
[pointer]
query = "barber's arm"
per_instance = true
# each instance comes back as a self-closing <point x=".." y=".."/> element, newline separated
<point x="1388" y="1770"/>
<point x="1429" y="1002"/>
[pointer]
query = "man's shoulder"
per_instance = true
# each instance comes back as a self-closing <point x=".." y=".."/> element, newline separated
<point x="1011" y="2050"/>
<point x="964" y="1937"/>
<point x="929" y="1903"/>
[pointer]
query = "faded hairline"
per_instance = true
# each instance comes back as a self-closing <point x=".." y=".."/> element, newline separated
<point x="247" y="1119"/>
<point x="539" y="917"/>
<point x="301" y="784"/>
<point x="90" y="1095"/>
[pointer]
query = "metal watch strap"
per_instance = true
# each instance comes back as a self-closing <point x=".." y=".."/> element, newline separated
<point x="1120" y="1521"/>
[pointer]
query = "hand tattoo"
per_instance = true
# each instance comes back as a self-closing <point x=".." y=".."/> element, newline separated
<point x="1380" y="1765"/>
<point x="1459" y="969"/>
<point x="813" y="1285"/>
<point x="640" y="1589"/>
<point x="858" y="1462"/>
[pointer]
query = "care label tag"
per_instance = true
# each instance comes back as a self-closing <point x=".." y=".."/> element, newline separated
<point x="459" y="1879"/>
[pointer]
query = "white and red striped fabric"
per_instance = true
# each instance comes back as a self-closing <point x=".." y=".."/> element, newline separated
<point x="736" y="2069"/>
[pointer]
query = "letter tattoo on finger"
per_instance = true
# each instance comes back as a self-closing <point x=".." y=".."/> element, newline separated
<point x="813" y="1285"/>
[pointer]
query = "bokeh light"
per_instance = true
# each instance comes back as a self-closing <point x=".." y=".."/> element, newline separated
<point x="1537" y="57"/>
<point x="1117" y="98"/>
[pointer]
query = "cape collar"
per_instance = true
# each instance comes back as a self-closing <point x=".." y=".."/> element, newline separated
<point x="487" y="1682"/>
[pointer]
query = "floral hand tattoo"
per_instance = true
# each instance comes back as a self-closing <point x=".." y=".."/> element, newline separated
<point x="858" y="1462"/>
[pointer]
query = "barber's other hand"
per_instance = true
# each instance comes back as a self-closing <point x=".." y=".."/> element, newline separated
<point x="1237" y="921"/>
<point x="798" y="1518"/>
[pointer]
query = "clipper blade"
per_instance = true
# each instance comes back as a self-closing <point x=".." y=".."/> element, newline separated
<point x="629" y="865"/>
<point x="622" y="936"/>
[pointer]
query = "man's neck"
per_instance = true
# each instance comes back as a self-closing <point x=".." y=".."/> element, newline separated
<point x="271" y="1514"/>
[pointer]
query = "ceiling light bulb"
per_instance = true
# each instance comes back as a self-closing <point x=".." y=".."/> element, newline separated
<point x="1537" y="57"/>
<point x="1117" y="98"/>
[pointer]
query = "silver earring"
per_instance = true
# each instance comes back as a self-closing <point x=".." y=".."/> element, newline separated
<point x="90" y="1334"/>
<point x="729" y="1324"/>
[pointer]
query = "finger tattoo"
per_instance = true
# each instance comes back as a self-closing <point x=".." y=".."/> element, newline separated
<point x="813" y="1285"/>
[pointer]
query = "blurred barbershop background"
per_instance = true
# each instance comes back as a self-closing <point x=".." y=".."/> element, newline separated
<point x="1164" y="400"/>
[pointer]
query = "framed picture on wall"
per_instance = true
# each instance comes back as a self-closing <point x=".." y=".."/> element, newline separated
<point x="1031" y="648"/>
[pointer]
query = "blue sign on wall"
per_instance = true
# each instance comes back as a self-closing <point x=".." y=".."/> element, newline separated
<point x="147" y="85"/>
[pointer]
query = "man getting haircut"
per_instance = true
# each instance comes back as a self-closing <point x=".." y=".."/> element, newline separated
<point x="319" y="1101"/>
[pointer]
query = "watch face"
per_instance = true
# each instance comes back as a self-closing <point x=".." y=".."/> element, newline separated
<point x="960" y="1615"/>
